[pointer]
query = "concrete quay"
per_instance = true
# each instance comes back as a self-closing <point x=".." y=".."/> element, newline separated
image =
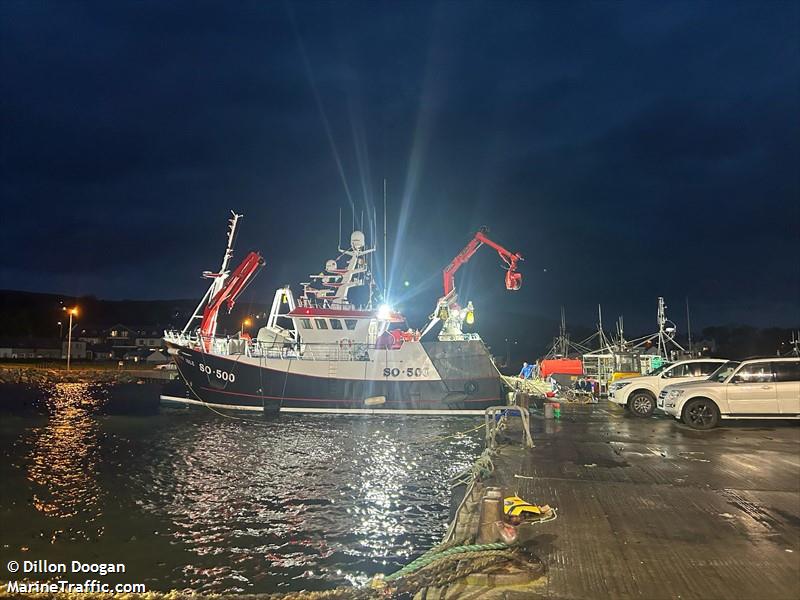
<point x="649" y="509"/>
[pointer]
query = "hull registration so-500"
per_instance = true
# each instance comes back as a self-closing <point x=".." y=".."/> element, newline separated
<point x="323" y="353"/>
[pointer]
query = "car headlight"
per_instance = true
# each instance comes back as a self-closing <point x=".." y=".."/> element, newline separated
<point x="674" y="394"/>
<point x="619" y="385"/>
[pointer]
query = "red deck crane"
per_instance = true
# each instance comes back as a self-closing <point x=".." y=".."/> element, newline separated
<point x="447" y="308"/>
<point x="234" y="285"/>
<point x="513" y="279"/>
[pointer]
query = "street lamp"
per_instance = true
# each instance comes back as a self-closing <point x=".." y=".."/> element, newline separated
<point x="246" y="323"/>
<point x="73" y="312"/>
<point x="60" y="331"/>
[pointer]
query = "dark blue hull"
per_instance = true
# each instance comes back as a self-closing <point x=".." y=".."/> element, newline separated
<point x="468" y="383"/>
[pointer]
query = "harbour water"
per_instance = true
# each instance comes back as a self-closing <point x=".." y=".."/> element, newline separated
<point x="195" y="500"/>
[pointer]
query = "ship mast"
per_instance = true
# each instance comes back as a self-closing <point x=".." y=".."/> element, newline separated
<point x="219" y="277"/>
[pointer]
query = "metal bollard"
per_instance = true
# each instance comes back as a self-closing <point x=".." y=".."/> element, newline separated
<point x="548" y="410"/>
<point x="491" y="516"/>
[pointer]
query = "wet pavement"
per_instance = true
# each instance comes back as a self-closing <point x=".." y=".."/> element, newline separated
<point x="648" y="508"/>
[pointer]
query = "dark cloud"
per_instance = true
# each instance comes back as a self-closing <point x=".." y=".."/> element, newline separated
<point x="631" y="149"/>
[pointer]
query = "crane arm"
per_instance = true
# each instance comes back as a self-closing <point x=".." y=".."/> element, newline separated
<point x="230" y="290"/>
<point x="513" y="278"/>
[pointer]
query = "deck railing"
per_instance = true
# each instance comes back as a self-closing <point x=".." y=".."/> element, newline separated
<point x="341" y="351"/>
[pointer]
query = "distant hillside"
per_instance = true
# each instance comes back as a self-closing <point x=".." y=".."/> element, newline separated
<point x="31" y="314"/>
<point x="514" y="335"/>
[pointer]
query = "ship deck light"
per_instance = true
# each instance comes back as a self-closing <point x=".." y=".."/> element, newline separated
<point x="384" y="312"/>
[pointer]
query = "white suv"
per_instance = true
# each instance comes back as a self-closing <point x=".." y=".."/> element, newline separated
<point x="763" y="388"/>
<point x="639" y="393"/>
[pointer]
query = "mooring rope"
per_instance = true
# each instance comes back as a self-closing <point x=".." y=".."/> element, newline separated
<point x="221" y="414"/>
<point x="480" y="470"/>
<point x="435" y="554"/>
<point x="457" y="434"/>
<point x="443" y="573"/>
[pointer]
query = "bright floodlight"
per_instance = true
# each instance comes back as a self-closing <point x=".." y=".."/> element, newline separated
<point x="384" y="311"/>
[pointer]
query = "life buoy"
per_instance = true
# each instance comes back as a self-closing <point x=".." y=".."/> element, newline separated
<point x="346" y="345"/>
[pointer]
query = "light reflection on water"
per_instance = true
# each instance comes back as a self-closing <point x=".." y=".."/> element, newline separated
<point x="63" y="458"/>
<point x="215" y="504"/>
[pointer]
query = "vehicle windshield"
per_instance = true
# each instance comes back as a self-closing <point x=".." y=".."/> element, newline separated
<point x="724" y="371"/>
<point x="660" y="369"/>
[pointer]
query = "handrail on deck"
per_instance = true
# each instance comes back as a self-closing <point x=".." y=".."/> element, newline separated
<point x="493" y="425"/>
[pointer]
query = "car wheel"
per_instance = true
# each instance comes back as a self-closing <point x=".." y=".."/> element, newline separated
<point x="701" y="413"/>
<point x="642" y="404"/>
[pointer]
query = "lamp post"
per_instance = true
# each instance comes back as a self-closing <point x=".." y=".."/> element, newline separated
<point x="73" y="312"/>
<point x="60" y="330"/>
<point x="246" y="323"/>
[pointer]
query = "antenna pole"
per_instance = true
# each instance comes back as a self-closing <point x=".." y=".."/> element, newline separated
<point x="662" y="318"/>
<point x="689" y="326"/>
<point x="600" y="334"/>
<point x="374" y="227"/>
<point x="340" y="228"/>
<point x="385" y="244"/>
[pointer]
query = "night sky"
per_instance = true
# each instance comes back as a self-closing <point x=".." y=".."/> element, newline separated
<point x="627" y="150"/>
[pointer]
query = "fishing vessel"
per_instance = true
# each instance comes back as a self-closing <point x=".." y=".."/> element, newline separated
<point x="321" y="352"/>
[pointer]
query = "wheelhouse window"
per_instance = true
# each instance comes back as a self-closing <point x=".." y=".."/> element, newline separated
<point x="305" y="323"/>
<point x="626" y="364"/>
<point x="336" y="324"/>
<point x="350" y="323"/>
<point x="321" y="323"/>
